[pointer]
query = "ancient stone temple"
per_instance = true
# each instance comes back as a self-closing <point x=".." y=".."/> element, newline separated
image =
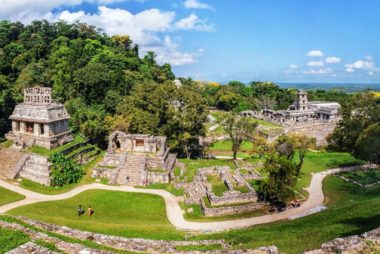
<point x="136" y="159"/>
<point x="39" y="121"/>
<point x="313" y="118"/>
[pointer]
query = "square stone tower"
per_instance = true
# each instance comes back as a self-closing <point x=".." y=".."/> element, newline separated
<point x="39" y="121"/>
<point x="302" y="102"/>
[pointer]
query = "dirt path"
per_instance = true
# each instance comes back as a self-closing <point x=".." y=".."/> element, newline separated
<point x="173" y="210"/>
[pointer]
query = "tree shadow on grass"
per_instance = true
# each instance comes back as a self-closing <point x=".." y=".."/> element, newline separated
<point x="362" y="224"/>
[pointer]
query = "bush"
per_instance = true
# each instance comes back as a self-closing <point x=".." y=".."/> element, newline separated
<point x="65" y="171"/>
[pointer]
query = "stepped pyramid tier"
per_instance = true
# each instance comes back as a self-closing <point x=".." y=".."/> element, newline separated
<point x="39" y="121"/>
<point x="136" y="160"/>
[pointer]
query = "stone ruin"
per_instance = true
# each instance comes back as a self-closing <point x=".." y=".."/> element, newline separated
<point x="136" y="160"/>
<point x="316" y="119"/>
<point x="39" y="121"/>
<point x="232" y="201"/>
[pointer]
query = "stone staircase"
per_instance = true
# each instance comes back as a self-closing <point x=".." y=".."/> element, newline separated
<point x="9" y="163"/>
<point x="115" y="159"/>
<point x="37" y="169"/>
<point x="133" y="172"/>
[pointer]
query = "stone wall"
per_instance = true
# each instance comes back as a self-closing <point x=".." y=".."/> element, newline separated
<point x="158" y="177"/>
<point x="231" y="197"/>
<point x="319" y="131"/>
<point x="37" y="169"/>
<point x="228" y="210"/>
<point x="135" y="245"/>
<point x="366" y="243"/>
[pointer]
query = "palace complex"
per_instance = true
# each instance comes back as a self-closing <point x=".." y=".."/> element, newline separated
<point x="316" y="119"/>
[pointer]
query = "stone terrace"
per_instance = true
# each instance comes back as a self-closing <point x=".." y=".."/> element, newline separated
<point x="120" y="243"/>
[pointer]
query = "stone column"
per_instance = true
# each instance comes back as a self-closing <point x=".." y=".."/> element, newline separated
<point x="14" y="126"/>
<point x="36" y="129"/>
<point x="47" y="130"/>
<point x="22" y="127"/>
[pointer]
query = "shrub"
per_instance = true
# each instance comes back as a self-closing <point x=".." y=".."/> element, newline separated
<point x="65" y="171"/>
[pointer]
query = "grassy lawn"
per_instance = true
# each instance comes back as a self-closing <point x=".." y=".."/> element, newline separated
<point x="116" y="213"/>
<point x="193" y="165"/>
<point x="198" y="216"/>
<point x="6" y="144"/>
<point x="363" y="177"/>
<point x="319" y="161"/>
<point x="165" y="186"/>
<point x="267" y="124"/>
<point x="51" y="190"/>
<point x="351" y="211"/>
<point x="226" y="145"/>
<point x="218" y="186"/>
<point x="11" y="239"/>
<point x="7" y="196"/>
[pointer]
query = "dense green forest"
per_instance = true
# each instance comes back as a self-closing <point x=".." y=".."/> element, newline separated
<point x="107" y="86"/>
<point x="94" y="74"/>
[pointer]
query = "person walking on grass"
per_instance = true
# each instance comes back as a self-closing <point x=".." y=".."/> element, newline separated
<point x="90" y="211"/>
<point x="80" y="210"/>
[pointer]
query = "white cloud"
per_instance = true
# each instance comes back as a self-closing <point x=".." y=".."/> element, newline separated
<point x="315" y="64"/>
<point x="144" y="29"/>
<point x="315" y="53"/>
<point x="319" y="71"/>
<point x="293" y="66"/>
<point x="168" y="52"/>
<point x="370" y="73"/>
<point x="333" y="60"/>
<point x="360" y="65"/>
<point x="193" y="23"/>
<point x="141" y="27"/>
<point x="195" y="4"/>
<point x="27" y="10"/>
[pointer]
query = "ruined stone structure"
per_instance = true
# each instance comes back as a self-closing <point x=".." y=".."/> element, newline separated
<point x="136" y="159"/>
<point x="316" y="119"/>
<point x="39" y="121"/>
<point x="231" y="202"/>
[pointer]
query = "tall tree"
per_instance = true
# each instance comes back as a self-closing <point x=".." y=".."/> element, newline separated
<point x="367" y="147"/>
<point x="278" y="187"/>
<point x="239" y="129"/>
<point x="358" y="112"/>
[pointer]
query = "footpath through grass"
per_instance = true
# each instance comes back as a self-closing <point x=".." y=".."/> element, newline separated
<point x="7" y="196"/>
<point x="320" y="161"/>
<point x="116" y="213"/>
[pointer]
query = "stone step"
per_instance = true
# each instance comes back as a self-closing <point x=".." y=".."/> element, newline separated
<point x="32" y="171"/>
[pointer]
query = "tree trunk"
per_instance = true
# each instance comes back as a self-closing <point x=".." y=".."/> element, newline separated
<point x="235" y="154"/>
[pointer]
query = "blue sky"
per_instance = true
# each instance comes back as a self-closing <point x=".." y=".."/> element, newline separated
<point x="221" y="40"/>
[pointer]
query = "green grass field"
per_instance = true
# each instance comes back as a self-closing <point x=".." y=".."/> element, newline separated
<point x="227" y="145"/>
<point x="193" y="165"/>
<point x="218" y="186"/>
<point x="7" y="196"/>
<point x="116" y="213"/>
<point x="351" y="211"/>
<point x="11" y="239"/>
<point x="363" y="177"/>
<point x="319" y="161"/>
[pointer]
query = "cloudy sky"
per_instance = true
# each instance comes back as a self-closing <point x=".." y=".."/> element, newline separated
<point x="220" y="40"/>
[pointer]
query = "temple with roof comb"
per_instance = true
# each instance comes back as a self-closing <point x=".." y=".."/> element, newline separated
<point x="39" y="121"/>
